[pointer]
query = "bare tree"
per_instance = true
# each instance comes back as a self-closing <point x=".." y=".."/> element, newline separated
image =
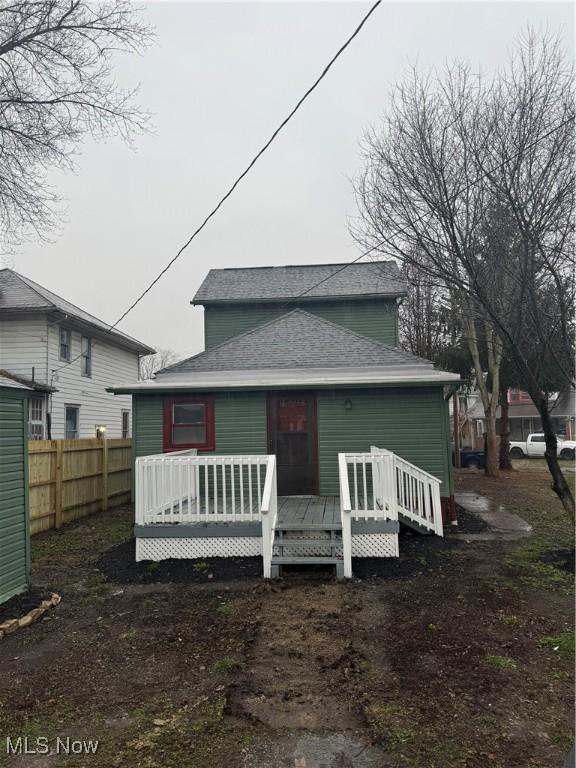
<point x="418" y="204"/>
<point x="56" y="86"/>
<point x="453" y="154"/>
<point x="150" y="364"/>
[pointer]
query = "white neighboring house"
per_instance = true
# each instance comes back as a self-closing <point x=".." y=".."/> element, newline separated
<point x="69" y="358"/>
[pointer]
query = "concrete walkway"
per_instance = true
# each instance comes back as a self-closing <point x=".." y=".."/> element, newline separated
<point x="503" y="524"/>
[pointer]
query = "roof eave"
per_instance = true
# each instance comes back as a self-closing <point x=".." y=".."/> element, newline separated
<point x="287" y="378"/>
<point x="308" y="298"/>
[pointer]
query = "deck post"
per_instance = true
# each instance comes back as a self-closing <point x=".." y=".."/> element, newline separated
<point x="266" y="548"/>
<point x="346" y="515"/>
<point x="347" y="543"/>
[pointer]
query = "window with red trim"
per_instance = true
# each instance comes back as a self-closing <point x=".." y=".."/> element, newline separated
<point x="189" y="423"/>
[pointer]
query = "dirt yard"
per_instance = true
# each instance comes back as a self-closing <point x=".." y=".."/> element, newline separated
<point x="459" y="654"/>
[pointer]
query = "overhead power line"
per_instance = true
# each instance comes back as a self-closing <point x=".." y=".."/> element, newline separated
<point x="252" y="162"/>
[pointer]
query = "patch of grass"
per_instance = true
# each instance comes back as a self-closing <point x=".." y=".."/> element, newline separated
<point x="200" y="566"/>
<point x="512" y="621"/>
<point x="225" y="609"/>
<point x="158" y="738"/>
<point x="528" y="568"/>
<point x="562" y="675"/>
<point x="96" y="589"/>
<point x="390" y="724"/>
<point x="130" y="635"/>
<point x="563" y="643"/>
<point x="501" y="662"/>
<point x="152" y="567"/>
<point x="227" y="665"/>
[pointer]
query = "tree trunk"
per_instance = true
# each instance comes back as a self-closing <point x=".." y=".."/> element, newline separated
<point x="505" y="462"/>
<point x="489" y="398"/>
<point x="559" y="484"/>
<point x="491" y="464"/>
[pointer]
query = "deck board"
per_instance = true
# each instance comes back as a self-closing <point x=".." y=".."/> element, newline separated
<point x="312" y="512"/>
<point x="309" y="511"/>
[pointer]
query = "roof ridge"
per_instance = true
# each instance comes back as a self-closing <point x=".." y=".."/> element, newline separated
<point x="305" y="266"/>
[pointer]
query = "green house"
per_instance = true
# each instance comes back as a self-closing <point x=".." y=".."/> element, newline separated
<point x="14" y="522"/>
<point x="302" y="363"/>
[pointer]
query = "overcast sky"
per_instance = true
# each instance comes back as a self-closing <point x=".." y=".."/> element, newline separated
<point x="219" y="79"/>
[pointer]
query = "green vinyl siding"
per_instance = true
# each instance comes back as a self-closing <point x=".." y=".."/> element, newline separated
<point x="240" y="423"/>
<point x="147" y="437"/>
<point x="409" y="422"/>
<point x="14" y="523"/>
<point x="412" y="422"/>
<point x="375" y="318"/>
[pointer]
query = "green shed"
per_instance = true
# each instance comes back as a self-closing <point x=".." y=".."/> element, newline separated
<point x="14" y="519"/>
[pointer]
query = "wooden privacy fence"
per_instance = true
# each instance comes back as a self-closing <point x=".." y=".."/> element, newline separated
<point x="73" y="478"/>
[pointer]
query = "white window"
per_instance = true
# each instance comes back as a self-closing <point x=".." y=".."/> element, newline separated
<point x="86" y="367"/>
<point x="479" y="427"/>
<point x="125" y="424"/>
<point x="36" y="418"/>
<point x="65" y="346"/>
<point x="72" y="420"/>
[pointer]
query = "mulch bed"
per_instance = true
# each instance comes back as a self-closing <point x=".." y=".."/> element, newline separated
<point x="468" y="522"/>
<point x="418" y="554"/>
<point x="19" y="605"/>
<point x="119" y="565"/>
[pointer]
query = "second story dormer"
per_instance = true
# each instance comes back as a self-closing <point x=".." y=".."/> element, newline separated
<point x="361" y="297"/>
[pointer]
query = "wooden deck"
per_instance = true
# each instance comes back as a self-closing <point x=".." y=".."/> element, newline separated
<point x="294" y="512"/>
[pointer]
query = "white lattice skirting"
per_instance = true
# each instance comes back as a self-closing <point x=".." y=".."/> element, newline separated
<point x="375" y="545"/>
<point x="191" y="548"/>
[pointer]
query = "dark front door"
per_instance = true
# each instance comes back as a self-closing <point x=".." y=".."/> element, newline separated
<point x="292" y="437"/>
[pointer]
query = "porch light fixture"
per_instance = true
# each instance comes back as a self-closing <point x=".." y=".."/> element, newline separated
<point x="100" y="431"/>
<point x="348" y="404"/>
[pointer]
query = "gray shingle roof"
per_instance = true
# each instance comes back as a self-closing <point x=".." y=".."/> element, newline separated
<point x="11" y="384"/>
<point x="19" y="293"/>
<point x="380" y="278"/>
<point x="297" y="339"/>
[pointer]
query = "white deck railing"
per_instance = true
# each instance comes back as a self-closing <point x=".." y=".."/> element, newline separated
<point x="417" y="493"/>
<point x="382" y="486"/>
<point x="182" y="487"/>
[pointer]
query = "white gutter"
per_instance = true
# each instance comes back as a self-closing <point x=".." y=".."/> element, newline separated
<point x="303" y="377"/>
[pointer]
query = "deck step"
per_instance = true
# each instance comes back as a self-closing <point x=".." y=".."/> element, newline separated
<point x="414" y="526"/>
<point x="292" y="542"/>
<point x="296" y="526"/>
<point x="293" y="560"/>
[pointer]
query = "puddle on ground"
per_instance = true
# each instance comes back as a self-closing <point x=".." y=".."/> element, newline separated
<point x="495" y="515"/>
<point x="334" y="751"/>
<point x="475" y="503"/>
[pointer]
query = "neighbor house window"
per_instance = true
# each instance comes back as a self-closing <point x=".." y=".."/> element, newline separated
<point x="65" y="347"/>
<point x="72" y="419"/>
<point x="36" y="418"/>
<point x="86" y="356"/>
<point x="479" y="427"/>
<point x="125" y="424"/>
<point x="189" y="423"/>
